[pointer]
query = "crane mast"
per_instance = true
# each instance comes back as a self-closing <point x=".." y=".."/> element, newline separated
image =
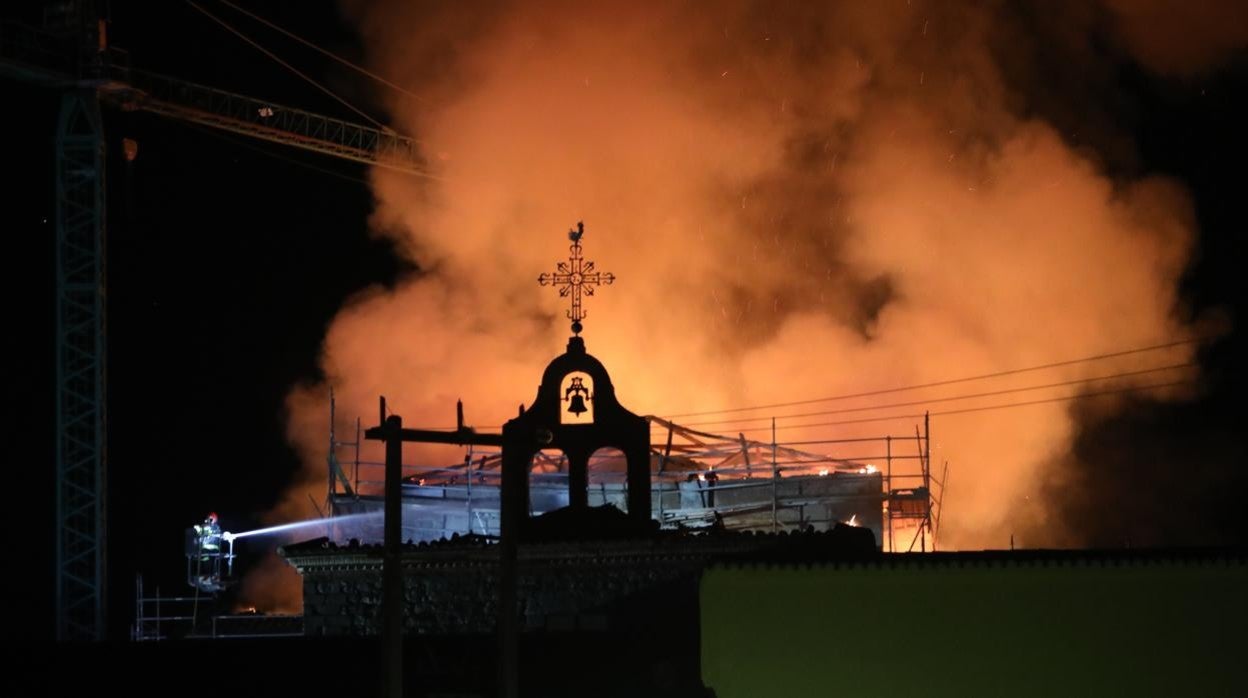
<point x="71" y="54"/>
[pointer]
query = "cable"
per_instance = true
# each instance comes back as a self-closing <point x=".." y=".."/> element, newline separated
<point x="998" y="374"/>
<point x="284" y="64"/>
<point x="946" y="399"/>
<point x="314" y="47"/>
<point x="1119" y="391"/>
<point x="987" y="408"/>
<point x="735" y="425"/>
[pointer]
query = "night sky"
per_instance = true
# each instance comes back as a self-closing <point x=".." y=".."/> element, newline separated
<point x="228" y="258"/>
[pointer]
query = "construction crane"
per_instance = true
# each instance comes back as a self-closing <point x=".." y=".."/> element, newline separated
<point x="70" y="53"/>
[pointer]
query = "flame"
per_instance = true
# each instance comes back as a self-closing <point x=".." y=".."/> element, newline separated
<point x="765" y="205"/>
<point x="853" y="521"/>
<point x="823" y="472"/>
<point x="868" y="469"/>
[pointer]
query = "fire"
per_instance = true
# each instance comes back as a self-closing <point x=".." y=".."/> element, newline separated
<point x="823" y="472"/>
<point x="809" y="224"/>
<point x="868" y="469"/>
<point x="853" y="521"/>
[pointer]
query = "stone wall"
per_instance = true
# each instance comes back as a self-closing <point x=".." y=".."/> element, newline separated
<point x="561" y="587"/>
<point x="645" y="586"/>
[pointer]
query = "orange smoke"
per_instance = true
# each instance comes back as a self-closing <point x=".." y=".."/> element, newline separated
<point x="796" y="202"/>
<point x="273" y="586"/>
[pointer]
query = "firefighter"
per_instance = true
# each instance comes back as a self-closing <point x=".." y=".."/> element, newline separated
<point x="209" y="535"/>
<point x="208" y="562"/>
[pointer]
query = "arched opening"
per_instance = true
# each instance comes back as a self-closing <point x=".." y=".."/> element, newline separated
<point x="548" y="481"/>
<point x="608" y="478"/>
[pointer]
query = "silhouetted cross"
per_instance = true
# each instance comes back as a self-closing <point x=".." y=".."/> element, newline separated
<point x="576" y="276"/>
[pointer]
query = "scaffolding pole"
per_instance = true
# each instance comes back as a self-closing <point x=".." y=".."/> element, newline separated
<point x="775" y="480"/>
<point x="888" y="491"/>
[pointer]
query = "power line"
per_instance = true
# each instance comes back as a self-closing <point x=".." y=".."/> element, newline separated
<point x="987" y="408"/>
<point x="946" y="399"/>
<point x="1119" y="391"/>
<point x="315" y="47"/>
<point x="964" y="410"/>
<point x="284" y="64"/>
<point x="734" y="424"/>
<point x="934" y="384"/>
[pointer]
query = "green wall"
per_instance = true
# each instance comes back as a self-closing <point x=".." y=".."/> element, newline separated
<point x="937" y="626"/>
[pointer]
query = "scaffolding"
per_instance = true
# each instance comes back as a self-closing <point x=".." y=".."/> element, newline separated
<point x="698" y="479"/>
<point x="158" y="618"/>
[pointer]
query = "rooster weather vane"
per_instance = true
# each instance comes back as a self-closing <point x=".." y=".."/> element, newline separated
<point x="574" y="277"/>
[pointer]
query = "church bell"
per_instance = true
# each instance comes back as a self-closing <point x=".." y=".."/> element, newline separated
<point x="577" y="406"/>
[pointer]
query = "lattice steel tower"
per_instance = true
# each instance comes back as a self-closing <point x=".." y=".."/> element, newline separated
<point x="81" y="460"/>
<point x="70" y="53"/>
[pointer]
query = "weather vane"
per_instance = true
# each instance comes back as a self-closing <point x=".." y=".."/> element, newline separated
<point x="576" y="276"/>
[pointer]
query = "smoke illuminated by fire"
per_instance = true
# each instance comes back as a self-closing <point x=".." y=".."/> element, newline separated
<point x="797" y="201"/>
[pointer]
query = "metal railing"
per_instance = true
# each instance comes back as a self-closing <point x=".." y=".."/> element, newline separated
<point x="159" y="618"/>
